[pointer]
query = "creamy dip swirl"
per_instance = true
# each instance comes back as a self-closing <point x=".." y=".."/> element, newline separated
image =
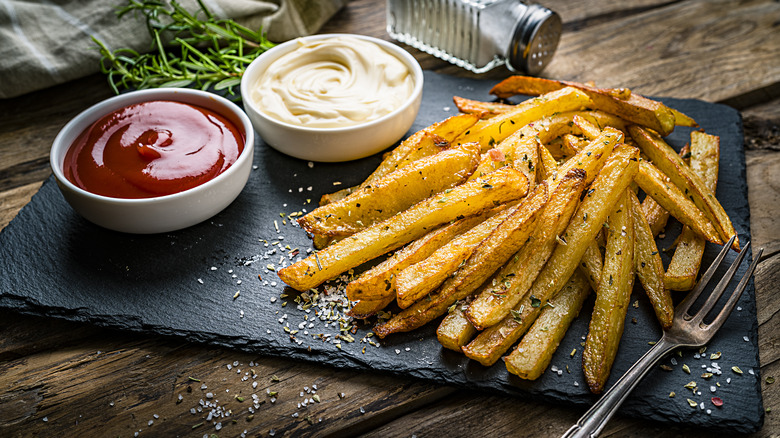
<point x="333" y="82"/>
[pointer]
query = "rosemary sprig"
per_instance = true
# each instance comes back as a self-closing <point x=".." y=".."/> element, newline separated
<point x="188" y="50"/>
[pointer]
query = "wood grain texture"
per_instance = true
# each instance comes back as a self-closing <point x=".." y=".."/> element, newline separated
<point x="698" y="49"/>
<point x="87" y="381"/>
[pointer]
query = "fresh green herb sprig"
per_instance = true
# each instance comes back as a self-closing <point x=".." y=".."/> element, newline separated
<point x="188" y="50"/>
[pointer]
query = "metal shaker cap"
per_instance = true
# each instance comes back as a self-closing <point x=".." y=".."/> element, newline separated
<point x="535" y="39"/>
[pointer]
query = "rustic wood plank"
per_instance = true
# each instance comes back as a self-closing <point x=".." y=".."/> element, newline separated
<point x="31" y="122"/>
<point x="116" y="387"/>
<point x="764" y="197"/>
<point x="686" y="49"/>
<point x="12" y="200"/>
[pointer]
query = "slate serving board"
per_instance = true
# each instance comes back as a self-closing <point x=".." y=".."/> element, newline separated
<point x="54" y="263"/>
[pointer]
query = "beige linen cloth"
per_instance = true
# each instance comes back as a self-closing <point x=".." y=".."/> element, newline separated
<point x="47" y="42"/>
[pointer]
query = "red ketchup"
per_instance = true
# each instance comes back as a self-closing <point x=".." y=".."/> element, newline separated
<point x="152" y="149"/>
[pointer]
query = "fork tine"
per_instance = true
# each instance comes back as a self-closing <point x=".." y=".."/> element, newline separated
<point x="720" y="287"/>
<point x="686" y="303"/>
<point x="724" y="313"/>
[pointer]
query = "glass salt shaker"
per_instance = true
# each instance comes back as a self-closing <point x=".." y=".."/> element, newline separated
<point x="478" y="35"/>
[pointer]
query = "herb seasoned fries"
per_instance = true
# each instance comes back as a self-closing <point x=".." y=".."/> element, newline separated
<point x="506" y="216"/>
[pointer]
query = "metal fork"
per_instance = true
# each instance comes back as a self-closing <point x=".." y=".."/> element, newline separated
<point x="687" y="331"/>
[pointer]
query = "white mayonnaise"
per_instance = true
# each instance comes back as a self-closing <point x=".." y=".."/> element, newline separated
<point x="333" y="82"/>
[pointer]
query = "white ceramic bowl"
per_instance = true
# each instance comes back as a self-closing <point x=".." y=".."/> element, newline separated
<point x="164" y="213"/>
<point x="332" y="144"/>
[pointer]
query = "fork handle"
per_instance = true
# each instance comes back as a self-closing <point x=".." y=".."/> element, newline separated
<point x="594" y="420"/>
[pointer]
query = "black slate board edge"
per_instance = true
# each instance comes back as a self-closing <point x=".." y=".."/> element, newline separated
<point x="48" y="203"/>
<point x="340" y="361"/>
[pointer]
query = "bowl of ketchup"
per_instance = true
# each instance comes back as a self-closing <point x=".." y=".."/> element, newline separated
<point x="154" y="161"/>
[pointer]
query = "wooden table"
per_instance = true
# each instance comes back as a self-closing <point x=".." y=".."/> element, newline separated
<point x="62" y="378"/>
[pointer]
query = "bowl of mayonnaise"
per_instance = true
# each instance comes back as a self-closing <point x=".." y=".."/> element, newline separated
<point x="333" y="97"/>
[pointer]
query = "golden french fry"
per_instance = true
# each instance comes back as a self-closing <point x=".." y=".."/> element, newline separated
<point x="376" y="284"/>
<point x="516" y="150"/>
<point x="549" y="166"/>
<point x="612" y="298"/>
<point x="468" y="199"/>
<point x="510" y="284"/>
<point x="447" y="129"/>
<point x="485" y="110"/>
<point x="418" y="145"/>
<point x="455" y="330"/>
<point x="591" y="158"/>
<point x="592" y="264"/>
<point x="656" y="215"/>
<point x="684" y="267"/>
<point x="570" y="145"/>
<point x="648" y="265"/>
<point x="667" y="160"/>
<point x="655" y="184"/>
<point x="601" y="120"/>
<point x="336" y="196"/>
<point x="392" y="193"/>
<point x="491" y="131"/>
<point x="621" y="102"/>
<point x="589" y="130"/>
<point x="533" y="354"/>
<point x="366" y="308"/>
<point x="421" y="278"/>
<point x="681" y="119"/>
<point x="429" y="145"/>
<point x="493" y="252"/>
<point x="606" y="190"/>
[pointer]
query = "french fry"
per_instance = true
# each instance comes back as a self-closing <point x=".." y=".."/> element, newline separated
<point x="555" y="125"/>
<point x="491" y="131"/>
<point x="684" y="266"/>
<point x="549" y="166"/>
<point x="657" y="216"/>
<point x="535" y="351"/>
<point x="592" y="264"/>
<point x="377" y="282"/>
<point x="591" y="158"/>
<point x="648" y="266"/>
<point x="421" y="278"/>
<point x="468" y="199"/>
<point x="516" y="151"/>
<point x="602" y="119"/>
<point x="455" y="330"/>
<point x="589" y="130"/>
<point x="570" y="144"/>
<point x="667" y="160"/>
<point x="612" y="298"/>
<point x="485" y="110"/>
<point x="366" y="307"/>
<point x="622" y="102"/>
<point x="615" y="176"/>
<point x="493" y="252"/>
<point x="510" y="284"/>
<point x="681" y="119"/>
<point x="654" y="183"/>
<point x="448" y="129"/>
<point x="392" y="193"/>
<point x="444" y="131"/>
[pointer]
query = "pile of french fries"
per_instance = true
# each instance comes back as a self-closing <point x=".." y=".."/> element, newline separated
<point x="505" y="217"/>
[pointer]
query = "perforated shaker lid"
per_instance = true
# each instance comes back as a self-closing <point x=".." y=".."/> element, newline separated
<point x="535" y="39"/>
